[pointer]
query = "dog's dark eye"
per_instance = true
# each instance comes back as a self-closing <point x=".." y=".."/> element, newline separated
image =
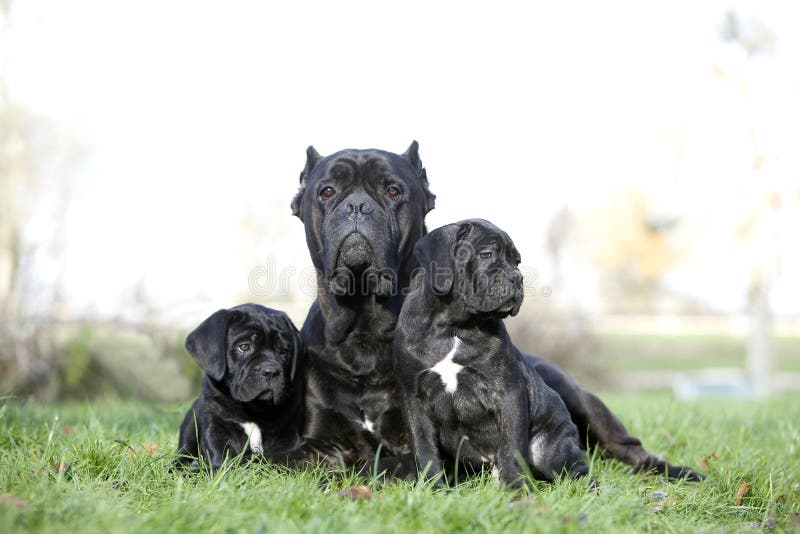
<point x="393" y="192"/>
<point x="243" y="347"/>
<point x="485" y="255"/>
<point x="327" y="192"/>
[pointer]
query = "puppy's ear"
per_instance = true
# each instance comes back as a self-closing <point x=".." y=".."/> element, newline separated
<point x="312" y="158"/>
<point x="299" y="348"/>
<point x="412" y="155"/>
<point x="207" y="344"/>
<point x="434" y="253"/>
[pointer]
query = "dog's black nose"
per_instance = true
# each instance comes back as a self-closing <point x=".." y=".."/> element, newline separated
<point x="268" y="370"/>
<point x="358" y="206"/>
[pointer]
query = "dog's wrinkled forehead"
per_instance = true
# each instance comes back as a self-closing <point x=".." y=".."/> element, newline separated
<point x="480" y="232"/>
<point x="358" y="166"/>
<point x="371" y="166"/>
<point x="252" y="317"/>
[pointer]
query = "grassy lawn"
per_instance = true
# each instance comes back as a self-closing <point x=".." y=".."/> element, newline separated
<point x="647" y="352"/>
<point x="113" y="479"/>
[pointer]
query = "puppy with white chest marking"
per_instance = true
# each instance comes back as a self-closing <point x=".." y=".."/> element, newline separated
<point x="252" y="391"/>
<point x="469" y="396"/>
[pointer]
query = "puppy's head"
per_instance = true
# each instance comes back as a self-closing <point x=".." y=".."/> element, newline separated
<point x="474" y="263"/>
<point x="253" y="350"/>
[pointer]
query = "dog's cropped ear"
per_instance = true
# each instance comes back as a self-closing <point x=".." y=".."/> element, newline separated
<point x="412" y="155"/>
<point x="207" y="344"/>
<point x="298" y="347"/>
<point x="312" y="158"/>
<point x="434" y="253"/>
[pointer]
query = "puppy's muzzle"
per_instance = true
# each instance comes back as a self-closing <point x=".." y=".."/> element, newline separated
<point x="268" y="370"/>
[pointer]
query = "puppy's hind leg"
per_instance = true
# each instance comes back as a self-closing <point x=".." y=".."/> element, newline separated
<point x="554" y="440"/>
<point x="599" y="426"/>
<point x="555" y="451"/>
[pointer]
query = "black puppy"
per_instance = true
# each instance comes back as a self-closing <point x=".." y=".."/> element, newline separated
<point x="468" y="392"/>
<point x="252" y="391"/>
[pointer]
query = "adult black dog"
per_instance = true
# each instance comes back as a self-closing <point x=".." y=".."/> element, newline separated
<point x="252" y="392"/>
<point x="363" y="211"/>
<point x="468" y="392"/>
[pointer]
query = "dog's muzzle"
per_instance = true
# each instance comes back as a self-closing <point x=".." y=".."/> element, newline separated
<point x="355" y="271"/>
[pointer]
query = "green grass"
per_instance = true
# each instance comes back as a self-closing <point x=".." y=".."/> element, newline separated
<point x="117" y="479"/>
<point x="649" y="352"/>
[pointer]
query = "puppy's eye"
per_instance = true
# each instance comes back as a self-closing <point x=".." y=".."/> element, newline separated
<point x="486" y="254"/>
<point x="393" y="192"/>
<point x="243" y="347"/>
<point x="327" y="193"/>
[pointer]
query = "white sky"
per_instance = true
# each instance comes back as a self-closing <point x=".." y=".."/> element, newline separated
<point x="195" y="115"/>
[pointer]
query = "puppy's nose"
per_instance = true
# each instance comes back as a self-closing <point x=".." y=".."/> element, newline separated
<point x="268" y="370"/>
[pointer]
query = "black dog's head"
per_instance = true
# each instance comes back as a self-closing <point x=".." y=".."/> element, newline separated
<point x="474" y="263"/>
<point x="253" y="350"/>
<point x="363" y="211"/>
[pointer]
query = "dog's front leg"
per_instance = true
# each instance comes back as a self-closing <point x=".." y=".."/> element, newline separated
<point x="512" y="452"/>
<point x="423" y="441"/>
<point x="219" y="442"/>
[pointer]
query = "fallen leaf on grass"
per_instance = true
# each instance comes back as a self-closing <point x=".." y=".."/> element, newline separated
<point x="150" y="448"/>
<point x="356" y="493"/>
<point x="744" y="488"/>
<point x="67" y="430"/>
<point x="704" y="462"/>
<point x="13" y="501"/>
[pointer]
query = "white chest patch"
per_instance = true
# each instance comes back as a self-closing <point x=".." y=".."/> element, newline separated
<point x="254" y="436"/>
<point x="447" y="369"/>
<point x="368" y="425"/>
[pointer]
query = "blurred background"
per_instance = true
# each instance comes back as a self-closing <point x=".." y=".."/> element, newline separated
<point x="644" y="158"/>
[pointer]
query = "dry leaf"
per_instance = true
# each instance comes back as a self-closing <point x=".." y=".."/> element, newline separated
<point x="704" y="462"/>
<point x="13" y="501"/>
<point x="67" y="430"/>
<point x="150" y="448"/>
<point x="356" y="493"/>
<point x="744" y="488"/>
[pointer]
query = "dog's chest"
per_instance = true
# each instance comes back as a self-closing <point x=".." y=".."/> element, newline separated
<point x="447" y="369"/>
<point x="452" y="390"/>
